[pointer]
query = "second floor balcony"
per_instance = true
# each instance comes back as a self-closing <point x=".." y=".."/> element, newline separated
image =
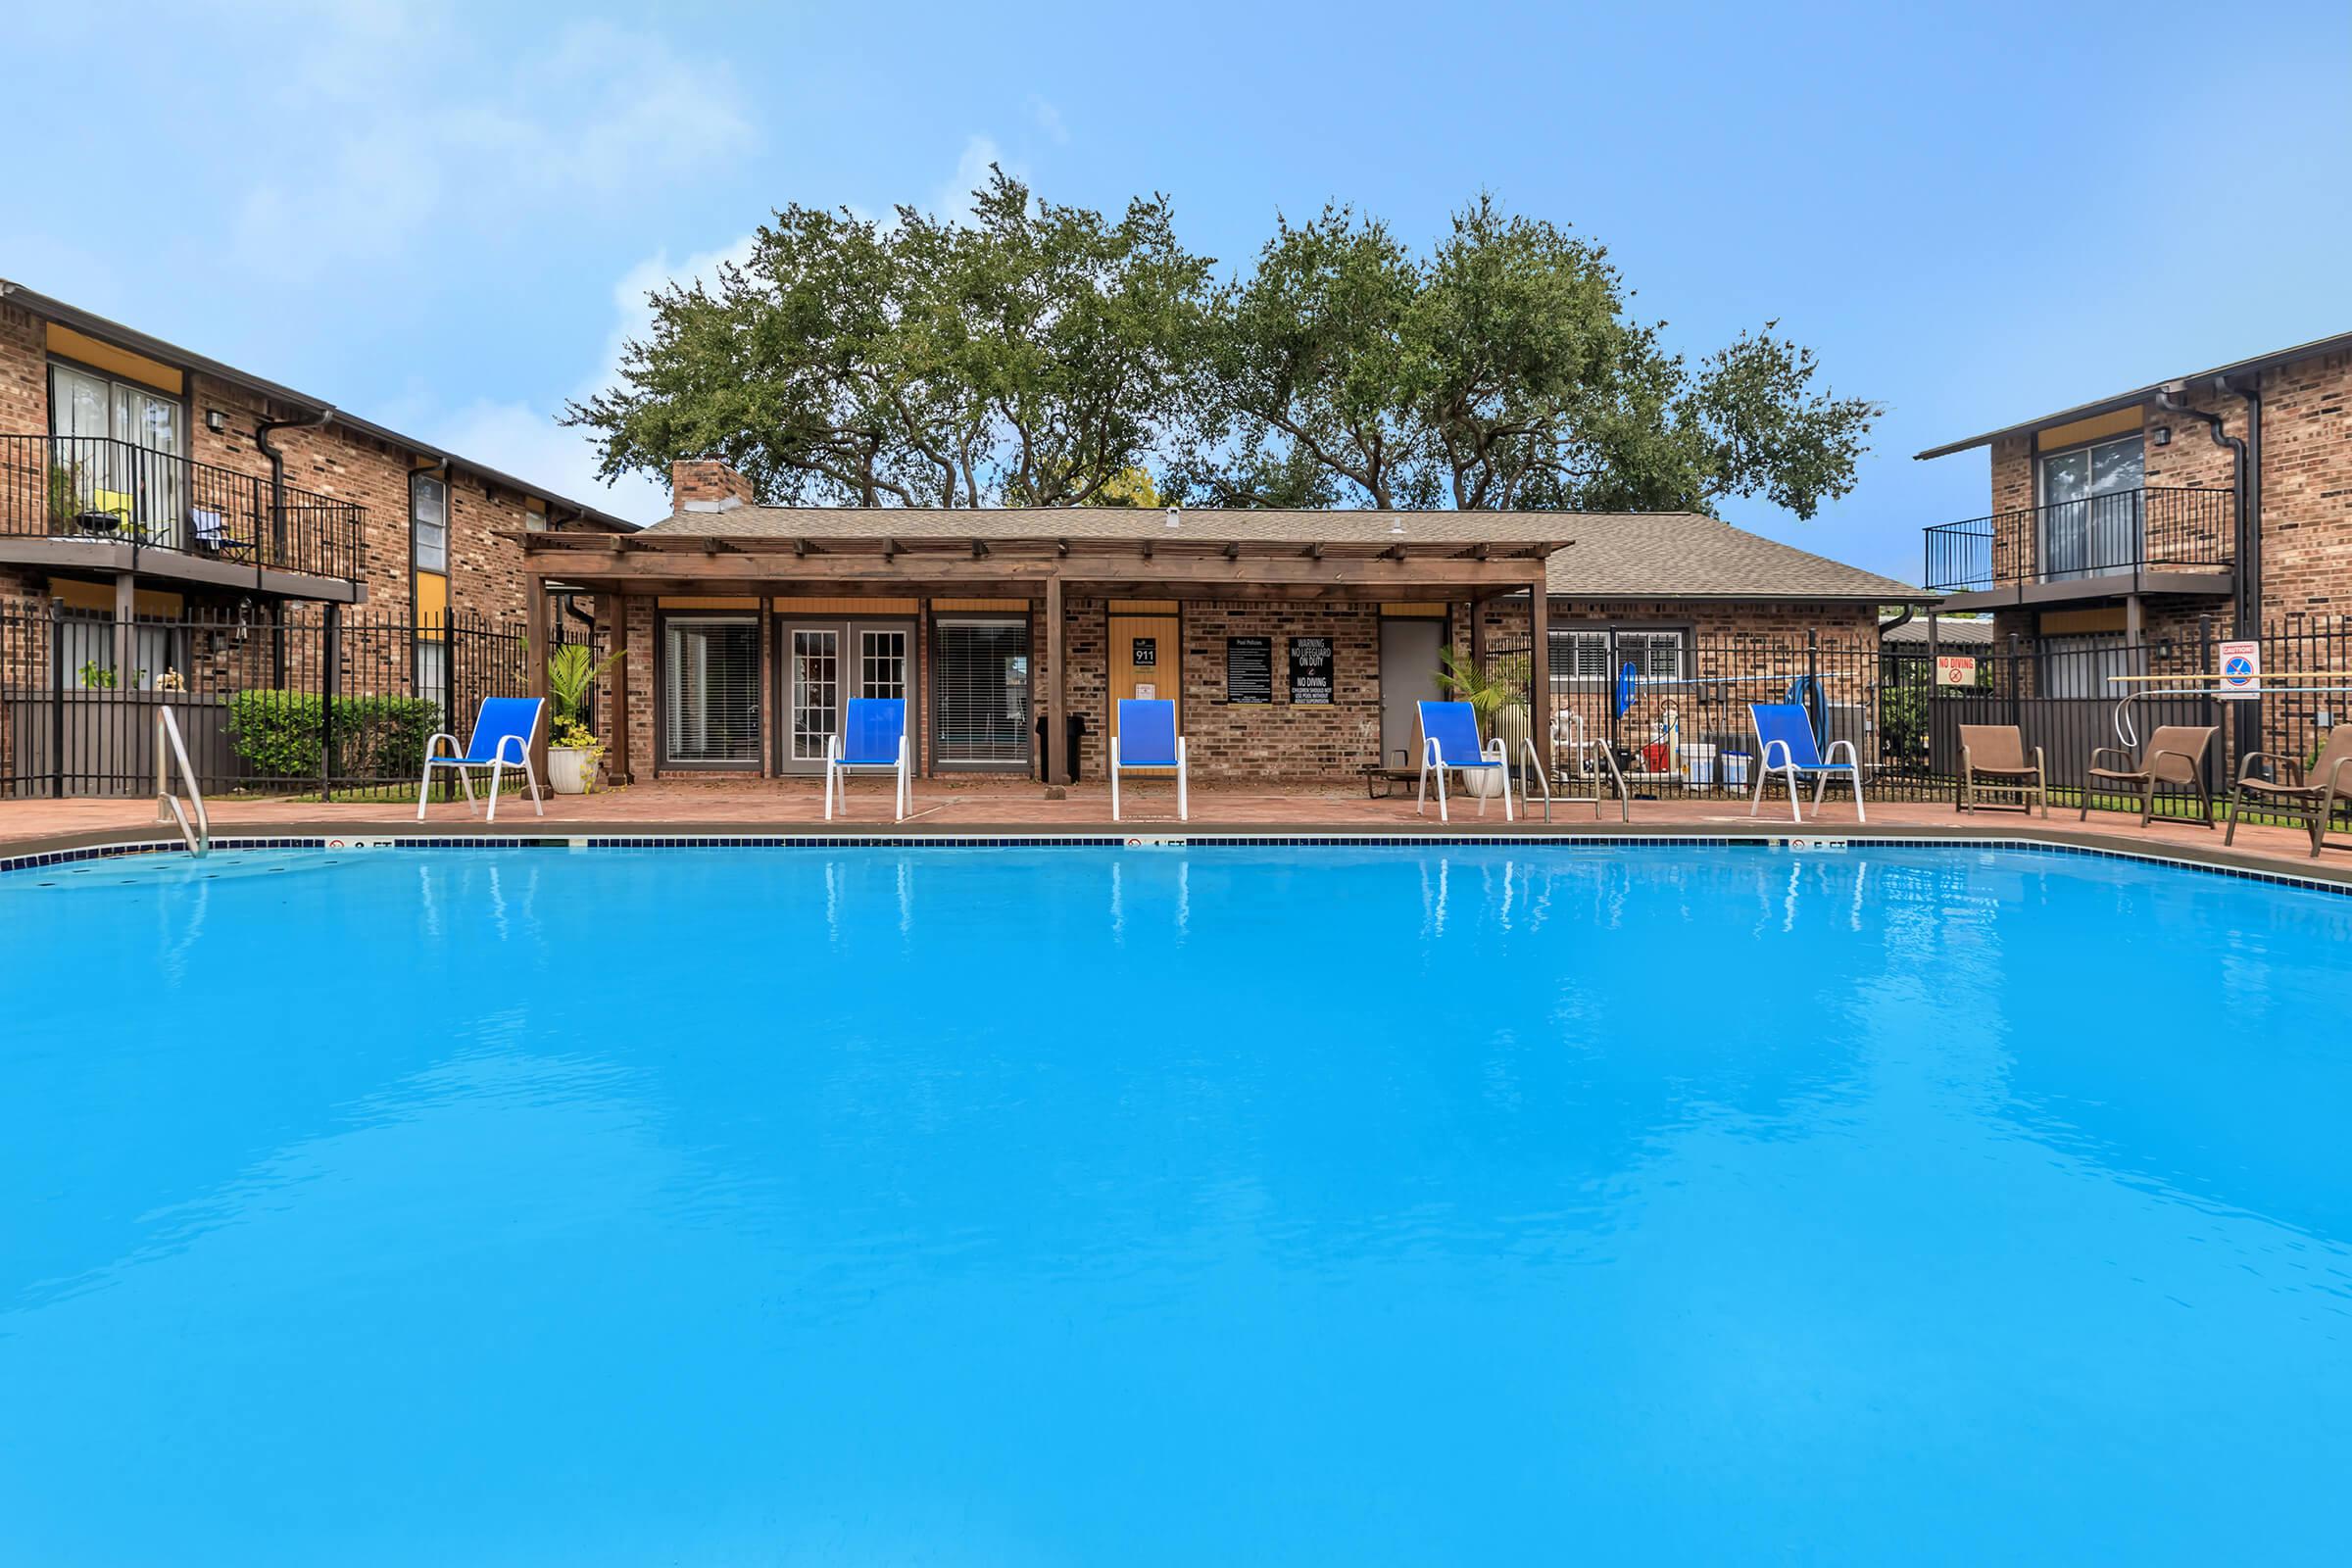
<point x="103" y="504"/>
<point x="2168" y="539"/>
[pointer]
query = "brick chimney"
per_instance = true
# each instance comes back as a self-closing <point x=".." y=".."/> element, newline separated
<point x="707" y="485"/>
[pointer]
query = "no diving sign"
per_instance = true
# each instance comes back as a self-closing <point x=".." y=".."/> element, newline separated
<point x="2241" y="670"/>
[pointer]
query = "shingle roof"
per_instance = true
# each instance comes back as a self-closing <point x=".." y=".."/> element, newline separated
<point x="1952" y="631"/>
<point x="1676" y="555"/>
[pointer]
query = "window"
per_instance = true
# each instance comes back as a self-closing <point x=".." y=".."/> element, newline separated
<point x="710" y="692"/>
<point x="428" y="521"/>
<point x="982" y="696"/>
<point x="88" y="646"/>
<point x="432" y="677"/>
<point x="1595" y="654"/>
<point x="120" y="444"/>
<point x="2091" y="509"/>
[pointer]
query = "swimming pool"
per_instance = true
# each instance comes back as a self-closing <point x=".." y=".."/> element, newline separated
<point x="1061" y="1205"/>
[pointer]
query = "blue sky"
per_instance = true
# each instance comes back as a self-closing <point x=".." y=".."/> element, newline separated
<point x="440" y="217"/>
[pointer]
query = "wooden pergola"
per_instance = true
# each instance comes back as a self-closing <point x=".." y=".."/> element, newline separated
<point x="1043" y="570"/>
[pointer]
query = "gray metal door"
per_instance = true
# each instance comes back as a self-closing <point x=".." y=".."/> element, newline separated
<point x="1408" y="674"/>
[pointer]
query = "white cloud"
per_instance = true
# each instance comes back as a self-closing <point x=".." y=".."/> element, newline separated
<point x="406" y="125"/>
<point x="1049" y="119"/>
<point x="954" y="199"/>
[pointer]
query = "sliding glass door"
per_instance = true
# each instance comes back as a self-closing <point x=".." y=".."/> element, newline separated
<point x="2091" y="509"/>
<point x="980" y="692"/>
<point x="123" y="446"/>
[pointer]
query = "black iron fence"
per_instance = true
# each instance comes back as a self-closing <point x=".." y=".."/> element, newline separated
<point x="2159" y="528"/>
<point x="119" y="492"/>
<point x="1679" y="726"/>
<point x="314" y="701"/>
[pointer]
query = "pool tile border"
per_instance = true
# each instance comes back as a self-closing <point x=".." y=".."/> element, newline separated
<point x="1800" y="842"/>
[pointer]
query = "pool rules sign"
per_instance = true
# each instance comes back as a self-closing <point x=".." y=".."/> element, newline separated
<point x="2241" y="671"/>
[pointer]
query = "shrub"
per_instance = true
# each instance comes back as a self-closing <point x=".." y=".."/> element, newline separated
<point x="278" y="734"/>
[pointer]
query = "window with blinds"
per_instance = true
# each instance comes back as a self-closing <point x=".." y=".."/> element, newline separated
<point x="980" y="701"/>
<point x="710" y="692"/>
<point x="1593" y="657"/>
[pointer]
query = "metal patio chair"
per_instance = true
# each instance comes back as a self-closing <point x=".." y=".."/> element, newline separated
<point x="2174" y="754"/>
<point x="2312" y="793"/>
<point x="1992" y="758"/>
<point x="1145" y="737"/>
<point x="502" y="738"/>
<point x="1784" y="737"/>
<point x="1450" y="743"/>
<point x="872" y="740"/>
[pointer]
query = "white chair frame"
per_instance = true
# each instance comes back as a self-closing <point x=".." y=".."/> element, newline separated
<point x="837" y="778"/>
<point x="1786" y="769"/>
<point x="1184" y="773"/>
<point x="498" y="765"/>
<point x="1431" y="762"/>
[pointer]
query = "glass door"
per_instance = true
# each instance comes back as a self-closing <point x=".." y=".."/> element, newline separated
<point x="811" y="695"/>
<point x="2091" y="509"/>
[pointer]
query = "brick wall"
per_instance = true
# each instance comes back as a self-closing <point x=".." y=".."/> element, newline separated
<point x="2305" y="482"/>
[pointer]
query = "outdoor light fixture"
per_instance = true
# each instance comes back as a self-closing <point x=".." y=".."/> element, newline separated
<point x="214" y="420"/>
<point x="2162" y="435"/>
<point x="1397" y="526"/>
<point x="1173" y="519"/>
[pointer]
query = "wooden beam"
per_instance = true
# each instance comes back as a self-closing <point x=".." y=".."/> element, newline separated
<point x="1539" y="670"/>
<point x="910" y="575"/>
<point x="1057" y="738"/>
<point x="534" y="667"/>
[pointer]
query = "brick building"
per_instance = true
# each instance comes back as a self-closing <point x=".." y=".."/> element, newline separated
<point x="1295" y="643"/>
<point x="2214" y="504"/>
<point x="143" y="483"/>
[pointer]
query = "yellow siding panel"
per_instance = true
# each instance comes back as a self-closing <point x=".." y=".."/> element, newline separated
<point x="691" y="602"/>
<point x="1012" y="605"/>
<point x="432" y="606"/>
<point x="1433" y="608"/>
<point x="1143" y="606"/>
<point x="2121" y="422"/>
<point x="2080" y="622"/>
<point x="68" y="344"/>
<point x="99" y="598"/>
<point x="848" y="606"/>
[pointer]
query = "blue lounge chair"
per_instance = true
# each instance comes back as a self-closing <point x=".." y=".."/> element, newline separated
<point x="1147" y="737"/>
<point x="1450" y="743"/>
<point x="1785" y="744"/>
<point x="872" y="740"/>
<point x="502" y="738"/>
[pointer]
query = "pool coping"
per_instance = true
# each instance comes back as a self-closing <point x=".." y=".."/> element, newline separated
<point x="108" y="843"/>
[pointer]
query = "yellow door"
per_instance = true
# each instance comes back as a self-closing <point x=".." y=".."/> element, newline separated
<point x="1146" y="660"/>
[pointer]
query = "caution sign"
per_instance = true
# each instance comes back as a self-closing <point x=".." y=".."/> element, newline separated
<point x="2241" y="670"/>
<point x="1955" y="669"/>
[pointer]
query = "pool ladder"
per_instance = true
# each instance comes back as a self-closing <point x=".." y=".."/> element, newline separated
<point x="169" y="749"/>
<point x="1584" y="751"/>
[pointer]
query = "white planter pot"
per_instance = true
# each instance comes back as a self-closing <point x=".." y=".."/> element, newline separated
<point x="570" y="769"/>
<point x="1481" y="783"/>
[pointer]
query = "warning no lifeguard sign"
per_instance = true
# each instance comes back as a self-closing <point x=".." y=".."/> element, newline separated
<point x="2241" y="670"/>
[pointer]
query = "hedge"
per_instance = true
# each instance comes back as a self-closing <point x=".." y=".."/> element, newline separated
<point x="278" y="734"/>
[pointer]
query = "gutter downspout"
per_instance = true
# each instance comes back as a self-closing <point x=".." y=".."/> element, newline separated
<point x="2170" y="400"/>
<point x="2249" y="557"/>
<point x="277" y="476"/>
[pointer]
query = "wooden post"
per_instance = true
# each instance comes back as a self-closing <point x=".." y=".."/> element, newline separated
<point x="534" y="668"/>
<point x="618" y="763"/>
<point x="1057" y="738"/>
<point x="1539" y="668"/>
<point x="768" y="738"/>
<point x="1478" y="637"/>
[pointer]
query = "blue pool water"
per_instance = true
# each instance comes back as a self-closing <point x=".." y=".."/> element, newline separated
<point x="1073" y="1206"/>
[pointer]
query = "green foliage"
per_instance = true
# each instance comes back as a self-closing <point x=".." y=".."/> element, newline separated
<point x="1026" y="357"/>
<point x="572" y="735"/>
<point x="572" y="671"/>
<point x="1500" y="684"/>
<point x="1039" y="353"/>
<point x="279" y="734"/>
<point x="95" y="677"/>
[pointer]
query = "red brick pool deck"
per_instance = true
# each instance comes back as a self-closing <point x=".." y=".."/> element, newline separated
<point x="729" y="807"/>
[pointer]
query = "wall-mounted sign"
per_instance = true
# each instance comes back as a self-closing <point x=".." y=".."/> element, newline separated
<point x="2241" y="670"/>
<point x="1310" y="671"/>
<point x="1955" y="669"/>
<point x="1147" y="652"/>
<point x="1248" y="669"/>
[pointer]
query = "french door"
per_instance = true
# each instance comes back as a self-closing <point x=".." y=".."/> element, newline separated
<point x="820" y="665"/>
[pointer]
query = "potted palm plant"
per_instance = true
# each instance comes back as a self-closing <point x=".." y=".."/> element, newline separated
<point x="573" y="750"/>
<point x="1496" y="695"/>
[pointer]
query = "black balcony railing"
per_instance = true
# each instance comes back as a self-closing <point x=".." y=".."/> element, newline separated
<point x="2158" y="529"/>
<point x="94" y="487"/>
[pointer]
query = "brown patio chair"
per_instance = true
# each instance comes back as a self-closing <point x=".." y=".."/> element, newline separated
<point x="1992" y="758"/>
<point x="2309" y="793"/>
<point x="2174" y="754"/>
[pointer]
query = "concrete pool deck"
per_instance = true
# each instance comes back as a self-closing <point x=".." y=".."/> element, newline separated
<point x="727" y="808"/>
